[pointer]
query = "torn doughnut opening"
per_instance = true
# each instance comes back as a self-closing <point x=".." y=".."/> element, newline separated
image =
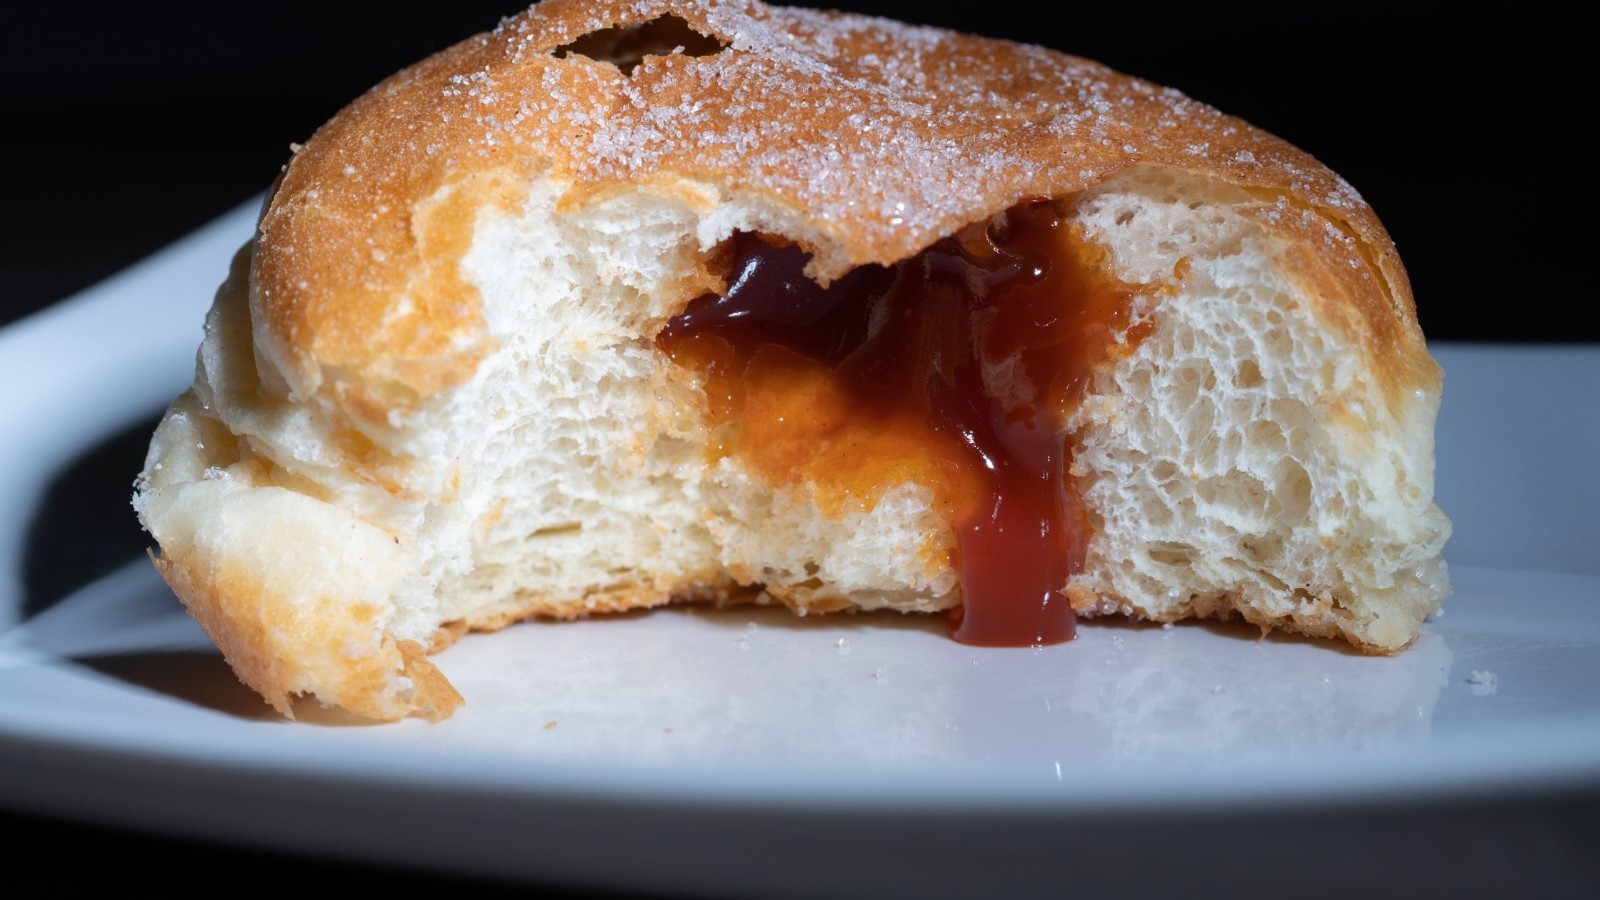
<point x="627" y="46"/>
<point x="956" y="369"/>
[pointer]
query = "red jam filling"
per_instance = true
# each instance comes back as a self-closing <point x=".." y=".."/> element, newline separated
<point x="955" y="369"/>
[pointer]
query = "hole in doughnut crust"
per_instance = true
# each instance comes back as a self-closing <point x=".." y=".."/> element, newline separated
<point x="627" y="46"/>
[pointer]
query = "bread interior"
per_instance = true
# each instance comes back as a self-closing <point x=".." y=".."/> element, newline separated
<point x="1228" y="461"/>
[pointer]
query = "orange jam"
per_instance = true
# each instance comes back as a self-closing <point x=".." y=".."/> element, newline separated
<point x="955" y="369"/>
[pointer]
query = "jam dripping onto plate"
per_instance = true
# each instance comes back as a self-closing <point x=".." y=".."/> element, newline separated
<point x="956" y="369"/>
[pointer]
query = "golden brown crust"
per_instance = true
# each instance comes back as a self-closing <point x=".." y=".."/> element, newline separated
<point x="1315" y="617"/>
<point x="882" y="136"/>
<point x="249" y="625"/>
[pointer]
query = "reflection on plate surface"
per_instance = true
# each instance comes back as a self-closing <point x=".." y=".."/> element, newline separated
<point x="721" y="687"/>
<point x="725" y="687"/>
<point x="756" y="690"/>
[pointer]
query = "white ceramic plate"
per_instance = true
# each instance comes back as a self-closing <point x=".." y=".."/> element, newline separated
<point x="704" y="747"/>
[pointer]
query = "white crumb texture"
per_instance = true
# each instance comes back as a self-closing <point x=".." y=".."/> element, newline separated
<point x="1241" y="456"/>
<point x="1228" y="463"/>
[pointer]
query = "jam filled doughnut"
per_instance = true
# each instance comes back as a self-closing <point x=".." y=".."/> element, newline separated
<point x="629" y="303"/>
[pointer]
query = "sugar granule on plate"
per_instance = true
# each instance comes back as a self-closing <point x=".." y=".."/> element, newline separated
<point x="1484" y="683"/>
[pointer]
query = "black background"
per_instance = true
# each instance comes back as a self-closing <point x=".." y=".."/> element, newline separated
<point x="129" y="125"/>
